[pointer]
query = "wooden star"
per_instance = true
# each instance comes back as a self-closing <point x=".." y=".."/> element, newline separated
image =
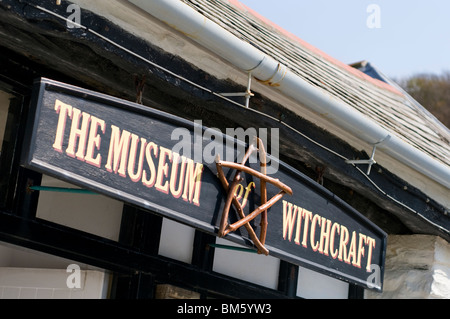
<point x="225" y="227"/>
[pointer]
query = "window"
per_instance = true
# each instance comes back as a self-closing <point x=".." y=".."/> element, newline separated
<point x="258" y="269"/>
<point x="94" y="214"/>
<point x="313" y="285"/>
<point x="29" y="274"/>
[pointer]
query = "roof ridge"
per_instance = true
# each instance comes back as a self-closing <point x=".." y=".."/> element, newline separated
<point x="239" y="5"/>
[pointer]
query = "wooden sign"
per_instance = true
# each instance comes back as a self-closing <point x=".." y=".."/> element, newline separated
<point x="157" y="161"/>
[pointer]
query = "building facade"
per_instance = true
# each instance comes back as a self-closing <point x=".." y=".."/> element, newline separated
<point x="367" y="166"/>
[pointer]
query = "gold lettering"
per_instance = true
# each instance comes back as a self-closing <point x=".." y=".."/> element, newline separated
<point x="193" y="182"/>
<point x="362" y="240"/>
<point x="299" y="225"/>
<point x="118" y="151"/>
<point x="343" y="243"/>
<point x="247" y="193"/>
<point x="288" y="219"/>
<point x="314" y="243"/>
<point x="64" y="110"/>
<point x="333" y="252"/>
<point x="325" y="236"/>
<point x="370" y="244"/>
<point x="78" y="133"/>
<point x="94" y="141"/>
<point x="163" y="170"/>
<point x="307" y="217"/>
<point x="132" y="159"/>
<point x="176" y="192"/>
<point x="239" y="189"/>
<point x="352" y="250"/>
<point x="149" y="182"/>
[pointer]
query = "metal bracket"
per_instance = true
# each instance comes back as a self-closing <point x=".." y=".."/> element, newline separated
<point x="60" y="190"/>
<point x="139" y="83"/>
<point x="248" y="93"/>
<point x="371" y="161"/>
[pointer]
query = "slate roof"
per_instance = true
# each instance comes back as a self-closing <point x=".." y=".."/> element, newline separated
<point x="382" y="102"/>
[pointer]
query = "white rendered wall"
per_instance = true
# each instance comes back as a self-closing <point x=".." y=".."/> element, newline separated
<point x="417" y="267"/>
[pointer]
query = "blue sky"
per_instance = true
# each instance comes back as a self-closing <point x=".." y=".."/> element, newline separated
<point x="412" y="36"/>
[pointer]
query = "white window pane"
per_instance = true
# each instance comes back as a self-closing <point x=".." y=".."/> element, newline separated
<point x="314" y="285"/>
<point x="177" y="241"/>
<point x="258" y="269"/>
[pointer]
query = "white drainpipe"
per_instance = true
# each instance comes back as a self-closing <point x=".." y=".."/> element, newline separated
<point x="244" y="56"/>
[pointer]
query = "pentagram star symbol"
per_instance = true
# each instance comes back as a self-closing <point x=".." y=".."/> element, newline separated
<point x="225" y="227"/>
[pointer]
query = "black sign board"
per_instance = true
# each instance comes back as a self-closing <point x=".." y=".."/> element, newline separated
<point x="157" y="161"/>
